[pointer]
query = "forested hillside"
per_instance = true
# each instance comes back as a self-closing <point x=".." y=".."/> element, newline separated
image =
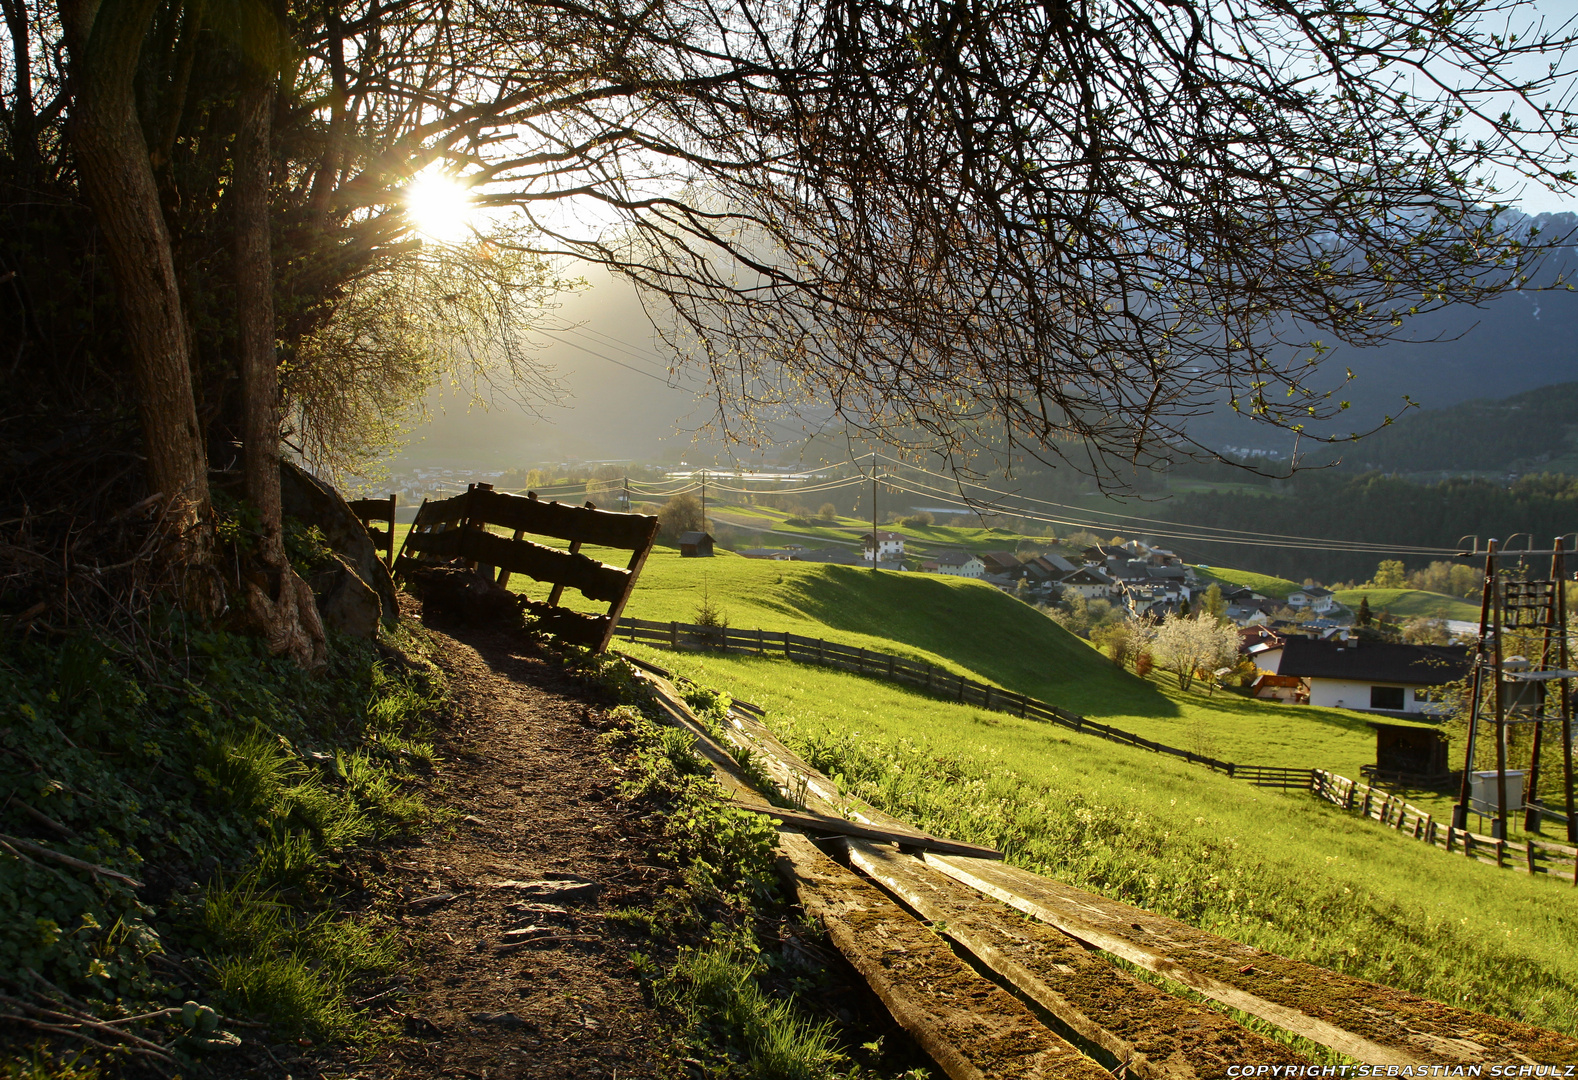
<point x="1374" y="509"/>
<point x="1534" y="431"/>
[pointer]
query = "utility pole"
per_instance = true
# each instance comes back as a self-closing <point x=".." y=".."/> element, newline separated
<point x="704" y="500"/>
<point x="876" y="548"/>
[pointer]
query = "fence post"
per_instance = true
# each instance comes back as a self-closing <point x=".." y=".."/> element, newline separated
<point x="821" y="650"/>
<point x="961" y="689"/>
<point x="986" y="699"/>
<point x="1449" y="840"/>
<point x="1347" y="802"/>
<point x="673" y="635"/>
<point x="891" y="661"/>
<point x="1529" y="854"/>
<point x="1501" y="852"/>
<point x="786" y="644"/>
<point x="761" y="642"/>
<point x="862" y="661"/>
<point x="1024" y="706"/>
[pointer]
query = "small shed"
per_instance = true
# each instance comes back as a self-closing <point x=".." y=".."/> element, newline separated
<point x="695" y="545"/>
<point x="1410" y="750"/>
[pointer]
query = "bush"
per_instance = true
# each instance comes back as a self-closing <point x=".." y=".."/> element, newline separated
<point x="918" y="520"/>
<point x="681" y="514"/>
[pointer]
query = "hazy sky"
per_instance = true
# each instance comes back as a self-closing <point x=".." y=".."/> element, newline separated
<point x="619" y="400"/>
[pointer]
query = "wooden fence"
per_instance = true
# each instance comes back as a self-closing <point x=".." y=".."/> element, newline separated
<point x="373" y="513"/>
<point x="1393" y="811"/>
<point x="457" y="528"/>
<point x="934" y="680"/>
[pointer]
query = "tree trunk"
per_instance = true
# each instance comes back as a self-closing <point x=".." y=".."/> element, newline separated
<point x="282" y="606"/>
<point x="104" y="40"/>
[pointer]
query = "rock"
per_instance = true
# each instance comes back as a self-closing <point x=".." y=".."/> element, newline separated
<point x="563" y="891"/>
<point x="345" y="601"/>
<point x="315" y="502"/>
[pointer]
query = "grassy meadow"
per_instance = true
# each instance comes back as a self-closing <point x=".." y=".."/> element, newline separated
<point x="1282" y="871"/>
<point x="1410" y="603"/>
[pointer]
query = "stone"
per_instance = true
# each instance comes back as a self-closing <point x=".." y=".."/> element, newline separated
<point x="345" y="601"/>
<point x="313" y="501"/>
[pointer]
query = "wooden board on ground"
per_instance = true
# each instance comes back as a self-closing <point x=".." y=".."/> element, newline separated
<point x="907" y="837"/>
<point x="971" y="1027"/>
<point x="1371" y="1023"/>
<point x="1152" y="1033"/>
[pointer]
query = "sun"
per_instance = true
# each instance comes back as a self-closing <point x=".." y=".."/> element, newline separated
<point x="439" y="206"/>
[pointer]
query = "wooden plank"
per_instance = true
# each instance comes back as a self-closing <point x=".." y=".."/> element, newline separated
<point x="1371" y="1023"/>
<point x="595" y="580"/>
<point x="827" y="823"/>
<point x="566" y="522"/>
<point x="972" y="1028"/>
<point x="1152" y="1033"/>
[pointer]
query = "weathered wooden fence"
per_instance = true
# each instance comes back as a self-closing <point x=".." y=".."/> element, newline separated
<point x="1393" y="811"/>
<point x="928" y="677"/>
<point x="457" y="528"/>
<point x="378" y="518"/>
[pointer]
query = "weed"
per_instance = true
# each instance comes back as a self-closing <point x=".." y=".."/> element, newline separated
<point x="716" y="987"/>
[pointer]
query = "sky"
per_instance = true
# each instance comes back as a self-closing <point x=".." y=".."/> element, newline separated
<point x="620" y="402"/>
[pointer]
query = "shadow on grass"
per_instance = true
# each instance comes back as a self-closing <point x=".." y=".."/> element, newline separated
<point x="1003" y="640"/>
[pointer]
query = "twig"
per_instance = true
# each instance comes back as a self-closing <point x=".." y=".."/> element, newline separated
<point x="94" y="1025"/>
<point x="60" y="857"/>
<point x="75" y="1003"/>
<point x="39" y="816"/>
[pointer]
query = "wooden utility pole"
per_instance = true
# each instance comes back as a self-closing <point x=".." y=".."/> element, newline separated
<point x="876" y="548"/>
<point x="1460" y="811"/>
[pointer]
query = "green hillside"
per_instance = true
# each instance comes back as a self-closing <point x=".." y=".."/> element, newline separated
<point x="1281" y="871"/>
<point x="1409" y="603"/>
<point x="969" y="627"/>
<point x="1264" y="584"/>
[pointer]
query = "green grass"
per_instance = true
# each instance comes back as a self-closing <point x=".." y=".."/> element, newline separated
<point x="1264" y="584"/>
<point x="970" y="628"/>
<point x="1280" y="871"/>
<point x="1411" y="603"/>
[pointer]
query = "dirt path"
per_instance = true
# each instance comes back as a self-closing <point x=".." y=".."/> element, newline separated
<point x="513" y="968"/>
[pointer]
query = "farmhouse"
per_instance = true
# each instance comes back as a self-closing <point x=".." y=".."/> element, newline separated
<point x="888" y="546"/>
<point x="1088" y="582"/>
<point x="956" y="564"/>
<point x="1314" y="597"/>
<point x="1373" y="676"/>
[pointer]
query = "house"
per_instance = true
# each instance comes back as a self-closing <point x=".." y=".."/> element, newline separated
<point x="775" y="554"/>
<point x="1285" y="688"/>
<point x="1053" y="566"/>
<point x="1317" y="599"/>
<point x="1088" y="582"/>
<point x="889" y="546"/>
<point x="956" y="564"/>
<point x="695" y="545"/>
<point x="1003" y="564"/>
<point x="1373" y="676"/>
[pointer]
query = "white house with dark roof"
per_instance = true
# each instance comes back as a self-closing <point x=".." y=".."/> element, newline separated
<point x="1373" y="676"/>
<point x="1318" y="599"/>
<point x="1088" y="582"/>
<point x="887" y="545"/>
<point x="956" y="564"/>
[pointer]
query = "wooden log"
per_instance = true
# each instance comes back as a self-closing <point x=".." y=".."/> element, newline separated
<point x="1371" y="1023"/>
<point x="838" y="826"/>
<point x="1152" y="1033"/>
<point x="972" y="1028"/>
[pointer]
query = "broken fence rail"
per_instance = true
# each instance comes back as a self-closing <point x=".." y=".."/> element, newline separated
<point x="935" y="681"/>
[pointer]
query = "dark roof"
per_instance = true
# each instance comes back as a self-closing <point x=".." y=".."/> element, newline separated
<point x="1419" y="665"/>
<point x="694" y="538"/>
<point x="1000" y="560"/>
<point x="953" y="558"/>
<point x="1087" y="575"/>
<point x="1056" y="562"/>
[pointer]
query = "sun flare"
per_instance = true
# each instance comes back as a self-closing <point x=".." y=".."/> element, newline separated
<point x="440" y="207"/>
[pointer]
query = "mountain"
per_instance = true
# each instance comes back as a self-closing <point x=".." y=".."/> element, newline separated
<point x="1536" y="431"/>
